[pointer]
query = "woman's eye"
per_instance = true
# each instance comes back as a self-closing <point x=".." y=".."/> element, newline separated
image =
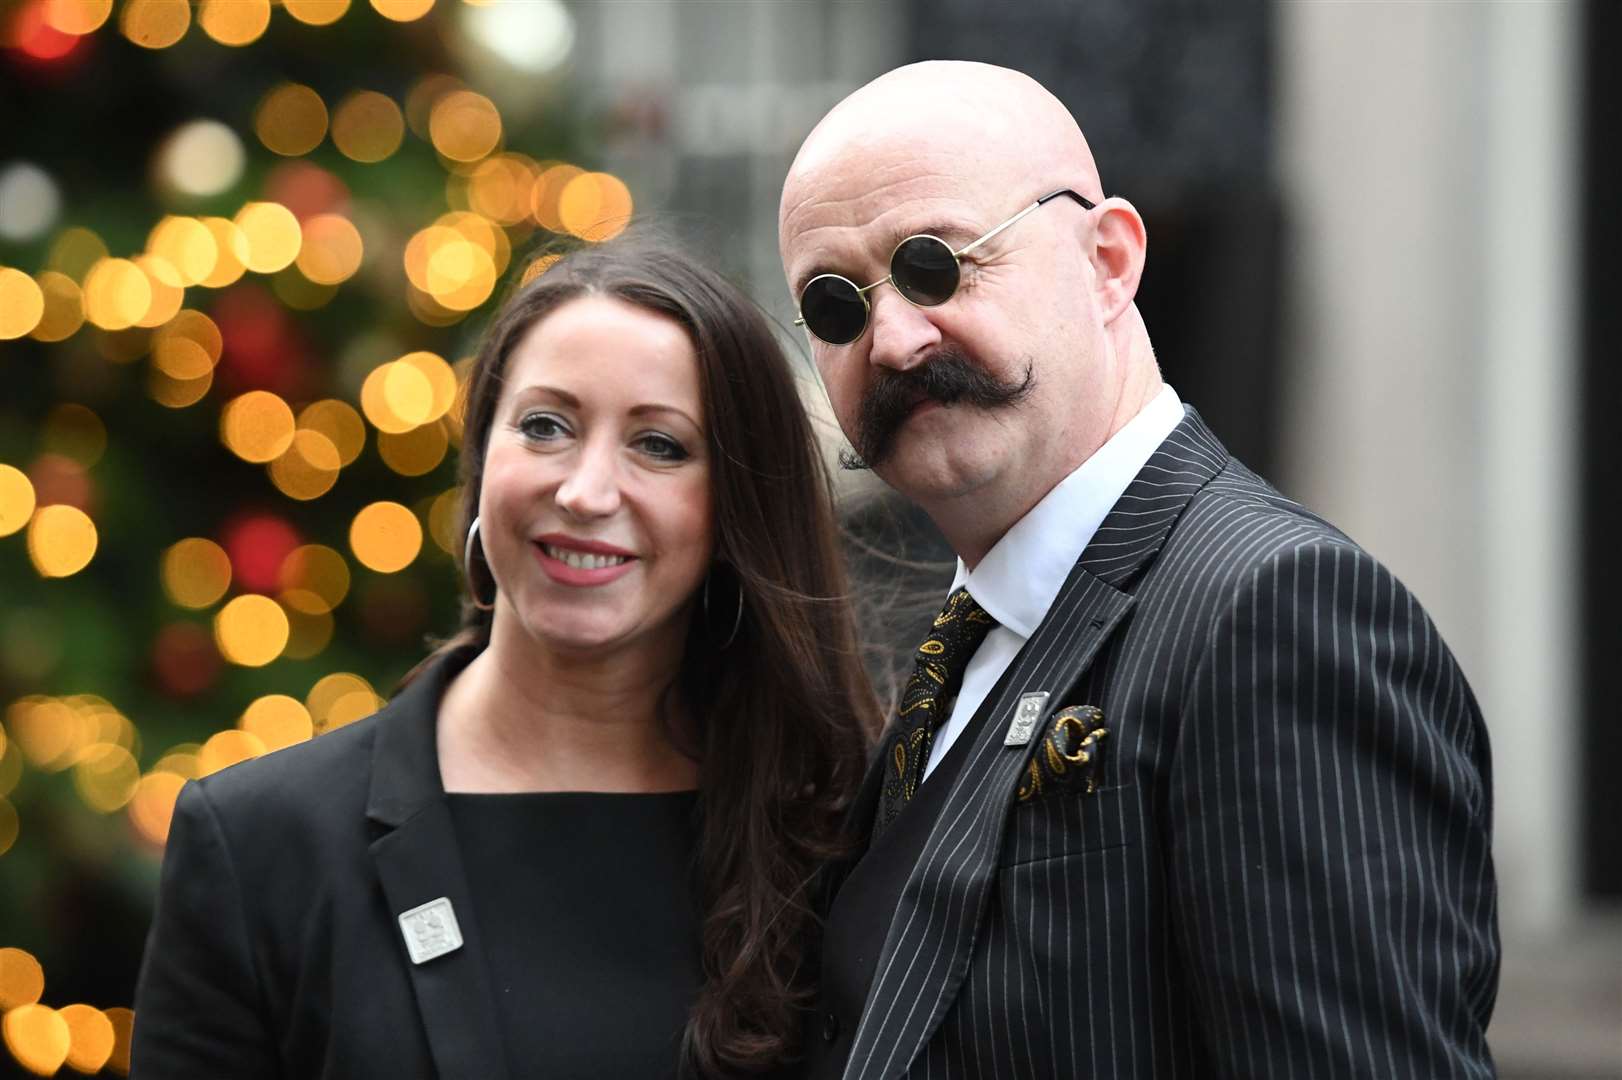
<point x="662" y="447"/>
<point x="542" y="426"/>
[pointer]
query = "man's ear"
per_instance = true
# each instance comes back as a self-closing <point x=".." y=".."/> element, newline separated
<point x="1120" y="245"/>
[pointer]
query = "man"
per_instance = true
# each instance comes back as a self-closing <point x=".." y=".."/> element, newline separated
<point x="1184" y="782"/>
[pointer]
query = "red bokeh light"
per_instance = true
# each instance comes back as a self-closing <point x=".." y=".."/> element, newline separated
<point x="306" y="189"/>
<point x="37" y="39"/>
<point x="184" y="660"/>
<point x="257" y="544"/>
<point x="263" y="349"/>
<point x="60" y="479"/>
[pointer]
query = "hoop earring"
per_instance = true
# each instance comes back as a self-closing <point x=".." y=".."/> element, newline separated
<point x="467" y="566"/>
<point x="737" y="619"/>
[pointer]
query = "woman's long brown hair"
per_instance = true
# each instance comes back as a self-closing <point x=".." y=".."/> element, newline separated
<point x="785" y="711"/>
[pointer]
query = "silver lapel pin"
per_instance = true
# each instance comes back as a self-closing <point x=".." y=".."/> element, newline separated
<point x="1026" y="717"/>
<point x="430" y="930"/>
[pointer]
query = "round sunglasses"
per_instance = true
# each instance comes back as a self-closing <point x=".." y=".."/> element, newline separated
<point x="923" y="268"/>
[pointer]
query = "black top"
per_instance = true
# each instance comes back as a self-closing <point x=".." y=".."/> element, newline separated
<point x="588" y="912"/>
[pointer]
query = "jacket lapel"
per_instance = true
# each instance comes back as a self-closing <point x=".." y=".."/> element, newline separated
<point x="418" y="860"/>
<point x="931" y="938"/>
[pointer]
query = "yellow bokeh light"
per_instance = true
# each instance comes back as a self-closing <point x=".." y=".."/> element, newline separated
<point x="61" y="540"/>
<point x="257" y="426"/>
<point x="234" y="22"/>
<point x="77" y="17"/>
<point x="91" y="1038"/>
<point x="168" y="291"/>
<point x="430" y="311"/>
<point x="367" y="126"/>
<point x="317" y="12"/>
<point x="403" y="10"/>
<point x="420" y="249"/>
<point x="37" y="1037"/>
<point x="22" y="980"/>
<point x="291" y="120"/>
<point x="123" y="1021"/>
<point x="440" y="378"/>
<point x="117" y="294"/>
<point x="64" y="307"/>
<point x="9" y="825"/>
<point x="273" y="235"/>
<point x="299" y="292"/>
<point x="74" y="252"/>
<point x="225" y="748"/>
<point x="22" y="304"/>
<point x="74" y="432"/>
<point x="186" y="244"/>
<point x="231" y="246"/>
<point x="340" y="423"/>
<point x="106" y="776"/>
<point x="397" y="396"/>
<point x="308" y="468"/>
<point x="251" y="630"/>
<point x="124" y="346"/>
<point x="155" y="24"/>
<point x="196" y="572"/>
<point x="11" y="768"/>
<point x="464" y="126"/>
<point x="443" y="516"/>
<point x="153" y="806"/>
<point x="331" y="250"/>
<point x="548" y="189"/>
<point x="308" y="635"/>
<point x="385" y="537"/>
<point x="277" y="720"/>
<point x="595" y="206"/>
<point x="414" y="452"/>
<point x="16" y="499"/>
<point x="187" y="346"/>
<point x="175" y="393"/>
<point x="314" y="579"/>
<point x="423" y="95"/>
<point x="465" y="274"/>
<point x="351" y="707"/>
<point x="331" y="689"/>
<point x="500" y="188"/>
<point x="45" y="731"/>
<point x="482" y="232"/>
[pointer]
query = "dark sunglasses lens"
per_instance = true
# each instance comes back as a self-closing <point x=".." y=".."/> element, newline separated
<point x="833" y="309"/>
<point x="925" y="271"/>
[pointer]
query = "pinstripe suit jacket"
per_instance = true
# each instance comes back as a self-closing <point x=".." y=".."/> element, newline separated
<point x="1285" y="870"/>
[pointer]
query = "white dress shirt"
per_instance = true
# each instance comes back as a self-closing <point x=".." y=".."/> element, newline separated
<point x="1020" y="576"/>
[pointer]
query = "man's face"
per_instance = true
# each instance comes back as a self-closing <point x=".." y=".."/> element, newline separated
<point x="1011" y="359"/>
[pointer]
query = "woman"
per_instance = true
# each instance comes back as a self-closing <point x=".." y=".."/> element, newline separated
<point x="579" y="842"/>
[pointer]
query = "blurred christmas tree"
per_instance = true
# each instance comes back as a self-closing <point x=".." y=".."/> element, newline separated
<point x="245" y="249"/>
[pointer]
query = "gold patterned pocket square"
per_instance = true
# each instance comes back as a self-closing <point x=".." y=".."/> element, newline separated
<point x="1066" y="759"/>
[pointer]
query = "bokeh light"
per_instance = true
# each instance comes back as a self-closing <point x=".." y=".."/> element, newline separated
<point x="168" y="291"/>
<point x="61" y="540"/>
<point x="314" y="579"/>
<point x="22" y="980"/>
<point x="258" y="545"/>
<point x="117" y="294"/>
<point x="331" y="250"/>
<point x="340" y="423"/>
<point x="500" y="188"/>
<point x="234" y="22"/>
<point x="535" y="36"/>
<point x="308" y="635"/>
<point x="232" y="249"/>
<point x="385" y="537"/>
<point x="442" y="521"/>
<point x="196" y="572"/>
<point x="9" y="825"/>
<point x="91" y="1038"/>
<point x="548" y="190"/>
<point x="226" y="748"/>
<point x="78" y="17"/>
<point x="251" y="630"/>
<point x="29" y="202"/>
<point x="173" y="393"/>
<point x="367" y="127"/>
<point x="273" y="236"/>
<point x="106" y="776"/>
<point x="537" y="266"/>
<point x="277" y="720"/>
<point x="59" y="479"/>
<point x="335" y="699"/>
<point x="291" y="120"/>
<point x="316" y="12"/>
<point x="199" y="159"/>
<point x="123" y="1021"/>
<point x="187" y="245"/>
<point x="187" y="346"/>
<point x="441" y="380"/>
<point x="74" y="252"/>
<point x="308" y="468"/>
<point x="22" y="304"/>
<point x="415" y="452"/>
<point x="45" y="730"/>
<point x="257" y="426"/>
<point x="74" y="432"/>
<point x="155" y="24"/>
<point x="37" y="1037"/>
<point x="403" y="10"/>
<point x="153" y="806"/>
<point x="595" y="206"/>
<point x="396" y="397"/>
<point x="64" y="307"/>
<point x="464" y="126"/>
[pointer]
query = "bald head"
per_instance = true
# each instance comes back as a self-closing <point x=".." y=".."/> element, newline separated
<point x="978" y="127"/>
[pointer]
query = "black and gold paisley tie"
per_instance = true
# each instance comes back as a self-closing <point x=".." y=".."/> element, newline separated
<point x="936" y="674"/>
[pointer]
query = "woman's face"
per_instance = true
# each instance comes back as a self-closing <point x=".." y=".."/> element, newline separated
<point x="595" y="509"/>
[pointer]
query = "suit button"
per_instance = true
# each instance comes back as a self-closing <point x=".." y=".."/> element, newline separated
<point x="830" y="1027"/>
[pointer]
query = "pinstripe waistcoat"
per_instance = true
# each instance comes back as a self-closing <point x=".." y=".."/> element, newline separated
<point x="1285" y="869"/>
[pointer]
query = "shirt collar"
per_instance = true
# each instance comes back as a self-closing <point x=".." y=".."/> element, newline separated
<point x="1021" y="575"/>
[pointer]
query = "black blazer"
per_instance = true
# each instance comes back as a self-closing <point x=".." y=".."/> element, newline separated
<point x="1284" y="867"/>
<point x="276" y="949"/>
